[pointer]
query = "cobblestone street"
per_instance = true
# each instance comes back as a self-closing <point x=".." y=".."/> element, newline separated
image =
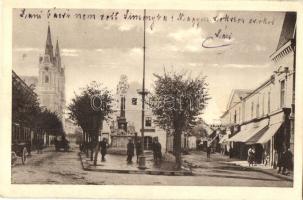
<point x="65" y="168"/>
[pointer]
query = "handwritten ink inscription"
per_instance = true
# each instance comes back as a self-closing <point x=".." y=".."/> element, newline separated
<point x="221" y="38"/>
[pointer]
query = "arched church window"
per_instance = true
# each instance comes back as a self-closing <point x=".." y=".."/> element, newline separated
<point x="46" y="79"/>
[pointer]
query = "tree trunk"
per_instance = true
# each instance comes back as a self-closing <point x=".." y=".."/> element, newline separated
<point x="97" y="149"/>
<point x="86" y="143"/>
<point x="178" y="148"/>
<point x="91" y="148"/>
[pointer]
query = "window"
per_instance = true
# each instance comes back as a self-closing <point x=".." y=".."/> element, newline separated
<point x="235" y="117"/>
<point x="263" y="97"/>
<point x="268" y="103"/>
<point x="148" y="121"/>
<point x="46" y="79"/>
<point x="282" y="94"/>
<point x="257" y="109"/>
<point x="134" y="101"/>
<point x="252" y="110"/>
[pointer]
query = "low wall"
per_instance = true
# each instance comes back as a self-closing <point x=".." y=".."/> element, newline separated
<point x="120" y="141"/>
<point x="119" y="144"/>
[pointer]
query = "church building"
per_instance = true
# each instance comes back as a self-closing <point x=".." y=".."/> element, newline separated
<point x="51" y="79"/>
<point x="50" y="83"/>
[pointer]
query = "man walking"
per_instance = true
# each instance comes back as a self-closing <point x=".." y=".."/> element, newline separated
<point x="286" y="162"/>
<point x="103" y="145"/>
<point x="208" y="149"/>
<point x="250" y="157"/>
<point x="130" y="151"/>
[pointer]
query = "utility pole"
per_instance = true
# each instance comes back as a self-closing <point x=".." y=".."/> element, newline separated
<point x="143" y="93"/>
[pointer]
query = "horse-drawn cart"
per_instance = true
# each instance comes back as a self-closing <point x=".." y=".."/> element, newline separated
<point x="21" y="143"/>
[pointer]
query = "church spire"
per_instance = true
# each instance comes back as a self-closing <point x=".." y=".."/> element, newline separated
<point x="57" y="55"/>
<point x="49" y="45"/>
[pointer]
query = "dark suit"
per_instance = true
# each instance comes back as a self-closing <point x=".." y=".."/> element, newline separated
<point x="130" y="151"/>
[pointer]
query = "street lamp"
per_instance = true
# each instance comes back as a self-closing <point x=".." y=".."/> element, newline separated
<point x="143" y="93"/>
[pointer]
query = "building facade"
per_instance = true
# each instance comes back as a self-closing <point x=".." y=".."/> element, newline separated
<point x="264" y="117"/>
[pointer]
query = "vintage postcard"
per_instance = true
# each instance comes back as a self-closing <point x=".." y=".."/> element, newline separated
<point x="136" y="101"/>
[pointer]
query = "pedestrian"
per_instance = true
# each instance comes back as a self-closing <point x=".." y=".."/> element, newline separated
<point x="138" y="149"/>
<point x="130" y="151"/>
<point x="208" y="150"/>
<point x="280" y="162"/>
<point x="286" y="161"/>
<point x="39" y="146"/>
<point x="158" y="152"/>
<point x="103" y="146"/>
<point x="250" y="157"/>
<point x="265" y="158"/>
<point x="289" y="160"/>
<point x="231" y="152"/>
<point x="154" y="150"/>
<point x="254" y="156"/>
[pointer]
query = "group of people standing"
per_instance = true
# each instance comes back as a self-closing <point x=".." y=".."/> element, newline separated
<point x="156" y="147"/>
<point x="284" y="160"/>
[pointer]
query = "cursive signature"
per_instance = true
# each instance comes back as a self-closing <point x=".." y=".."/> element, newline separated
<point x="221" y="36"/>
<point x="210" y="38"/>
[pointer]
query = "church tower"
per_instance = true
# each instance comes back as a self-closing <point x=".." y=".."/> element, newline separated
<point x="51" y="81"/>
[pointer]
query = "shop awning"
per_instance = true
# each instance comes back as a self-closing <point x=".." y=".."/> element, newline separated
<point x="271" y="131"/>
<point x="254" y="139"/>
<point x="249" y="131"/>
<point x="265" y="135"/>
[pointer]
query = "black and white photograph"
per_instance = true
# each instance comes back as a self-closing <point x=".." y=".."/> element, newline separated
<point x="153" y="97"/>
<point x="151" y="102"/>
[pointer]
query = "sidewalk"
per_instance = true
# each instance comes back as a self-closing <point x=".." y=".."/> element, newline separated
<point x="197" y="159"/>
<point x="261" y="168"/>
<point x="118" y="164"/>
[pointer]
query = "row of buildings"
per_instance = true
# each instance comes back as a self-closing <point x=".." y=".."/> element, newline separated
<point x="264" y="116"/>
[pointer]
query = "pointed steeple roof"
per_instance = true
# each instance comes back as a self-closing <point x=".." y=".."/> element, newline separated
<point x="49" y="45"/>
<point x="57" y="52"/>
<point x="57" y="55"/>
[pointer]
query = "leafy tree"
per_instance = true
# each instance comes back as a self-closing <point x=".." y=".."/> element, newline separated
<point x="90" y="109"/>
<point x="177" y="101"/>
<point x="25" y="105"/>
<point x="50" y="122"/>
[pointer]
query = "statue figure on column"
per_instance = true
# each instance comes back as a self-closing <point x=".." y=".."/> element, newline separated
<point x="122" y="88"/>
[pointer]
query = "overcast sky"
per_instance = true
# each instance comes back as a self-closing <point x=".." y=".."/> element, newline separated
<point x="103" y="50"/>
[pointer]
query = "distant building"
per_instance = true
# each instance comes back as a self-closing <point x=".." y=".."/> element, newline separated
<point x="264" y="117"/>
<point x="70" y="127"/>
<point x="50" y="82"/>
